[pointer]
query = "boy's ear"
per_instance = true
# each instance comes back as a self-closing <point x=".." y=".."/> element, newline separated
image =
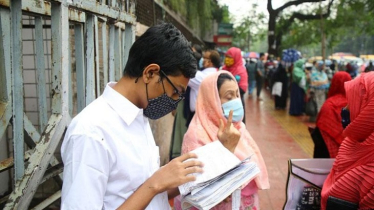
<point x="149" y="72"/>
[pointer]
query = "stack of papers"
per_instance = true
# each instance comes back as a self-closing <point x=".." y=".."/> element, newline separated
<point x="223" y="174"/>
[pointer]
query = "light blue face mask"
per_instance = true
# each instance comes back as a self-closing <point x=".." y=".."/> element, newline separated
<point x="235" y="105"/>
<point x="201" y="63"/>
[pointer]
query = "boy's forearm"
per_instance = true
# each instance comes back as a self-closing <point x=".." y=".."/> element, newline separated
<point x="141" y="198"/>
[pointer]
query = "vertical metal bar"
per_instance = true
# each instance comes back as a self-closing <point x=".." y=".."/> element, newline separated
<point x="5" y="71"/>
<point x="117" y="54"/>
<point x="105" y="52"/>
<point x="123" y="63"/>
<point x="70" y="84"/>
<point x="80" y="67"/>
<point x="90" y="62"/>
<point x="18" y="140"/>
<point x="40" y="79"/>
<point x="65" y="61"/>
<point x="112" y="41"/>
<point x="5" y="80"/>
<point x="56" y="59"/>
<point x="129" y="40"/>
<point x="97" y="57"/>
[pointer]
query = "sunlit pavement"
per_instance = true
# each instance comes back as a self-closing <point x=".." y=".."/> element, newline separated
<point x="280" y="138"/>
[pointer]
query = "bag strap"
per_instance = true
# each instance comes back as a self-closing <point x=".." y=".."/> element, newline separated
<point x="287" y="183"/>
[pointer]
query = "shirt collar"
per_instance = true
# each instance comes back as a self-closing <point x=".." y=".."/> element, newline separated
<point x="121" y="105"/>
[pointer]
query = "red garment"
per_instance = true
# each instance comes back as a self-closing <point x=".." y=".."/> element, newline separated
<point x="329" y="119"/>
<point x="238" y="67"/>
<point x="352" y="175"/>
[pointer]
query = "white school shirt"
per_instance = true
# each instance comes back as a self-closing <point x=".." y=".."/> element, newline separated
<point x="108" y="152"/>
<point x="194" y="84"/>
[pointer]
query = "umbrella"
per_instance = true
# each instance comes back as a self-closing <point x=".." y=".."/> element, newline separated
<point x="253" y="55"/>
<point x="290" y="55"/>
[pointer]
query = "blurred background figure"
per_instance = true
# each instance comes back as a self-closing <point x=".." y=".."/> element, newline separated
<point x="251" y="71"/>
<point x="211" y="63"/>
<point x="198" y="53"/>
<point x="260" y="75"/>
<point x="270" y="68"/>
<point x="329" y="119"/>
<point x="298" y="88"/>
<point x="280" y="76"/>
<point x="370" y="67"/>
<point x="319" y="83"/>
<point x="234" y="64"/>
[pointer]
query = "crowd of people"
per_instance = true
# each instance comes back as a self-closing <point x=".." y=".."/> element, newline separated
<point x="112" y="162"/>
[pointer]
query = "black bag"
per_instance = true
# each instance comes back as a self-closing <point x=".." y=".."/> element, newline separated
<point x="304" y="183"/>
<point x="311" y="106"/>
<point x="337" y="203"/>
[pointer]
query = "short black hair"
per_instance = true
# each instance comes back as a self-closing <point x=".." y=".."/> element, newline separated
<point x="262" y="54"/>
<point x="222" y="78"/>
<point x="165" y="45"/>
<point x="215" y="58"/>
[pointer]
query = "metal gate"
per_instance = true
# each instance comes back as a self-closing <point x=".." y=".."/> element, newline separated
<point x="55" y="58"/>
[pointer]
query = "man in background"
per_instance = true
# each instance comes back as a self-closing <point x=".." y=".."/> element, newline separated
<point x="260" y="75"/>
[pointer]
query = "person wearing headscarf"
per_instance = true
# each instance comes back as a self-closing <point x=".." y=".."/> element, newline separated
<point x="234" y="64"/>
<point x="213" y="104"/>
<point x="298" y="88"/>
<point x="329" y="119"/>
<point x="319" y="83"/>
<point x="352" y="175"/>
<point x="280" y="75"/>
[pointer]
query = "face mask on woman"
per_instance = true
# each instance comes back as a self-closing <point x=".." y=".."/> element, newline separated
<point x="237" y="107"/>
<point x="229" y="61"/>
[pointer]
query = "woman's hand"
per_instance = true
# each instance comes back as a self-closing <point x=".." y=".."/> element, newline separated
<point x="175" y="173"/>
<point x="228" y="135"/>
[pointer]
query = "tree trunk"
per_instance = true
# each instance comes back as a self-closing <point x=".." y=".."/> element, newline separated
<point x="272" y="44"/>
<point x="278" y="41"/>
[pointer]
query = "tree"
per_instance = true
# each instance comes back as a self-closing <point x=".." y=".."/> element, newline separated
<point x="275" y="33"/>
<point x="244" y="33"/>
<point x="350" y="29"/>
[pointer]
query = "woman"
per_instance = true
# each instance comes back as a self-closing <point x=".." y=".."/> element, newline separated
<point x="234" y="64"/>
<point x="352" y="175"/>
<point x="319" y="84"/>
<point x="280" y="75"/>
<point x="329" y="119"/>
<point x="216" y="92"/>
<point x="298" y="87"/>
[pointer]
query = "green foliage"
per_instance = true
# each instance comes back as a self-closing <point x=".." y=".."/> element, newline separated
<point x="198" y="13"/>
<point x="351" y="22"/>
<point x="225" y="15"/>
<point x="246" y="33"/>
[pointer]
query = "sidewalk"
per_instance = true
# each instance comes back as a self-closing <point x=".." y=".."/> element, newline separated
<point x="280" y="137"/>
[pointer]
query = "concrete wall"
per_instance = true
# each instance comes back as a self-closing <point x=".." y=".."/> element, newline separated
<point x="162" y="130"/>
